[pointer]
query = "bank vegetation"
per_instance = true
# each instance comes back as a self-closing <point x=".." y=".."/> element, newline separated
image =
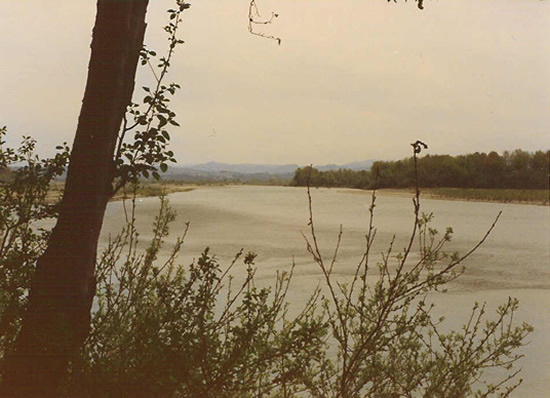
<point x="517" y="176"/>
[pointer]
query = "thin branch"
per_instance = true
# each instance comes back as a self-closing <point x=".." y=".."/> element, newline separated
<point x="254" y="13"/>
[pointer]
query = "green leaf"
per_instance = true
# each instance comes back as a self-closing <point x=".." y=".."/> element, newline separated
<point x="163" y="167"/>
<point x="162" y="119"/>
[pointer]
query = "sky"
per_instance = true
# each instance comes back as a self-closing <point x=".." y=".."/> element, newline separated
<point x="352" y="79"/>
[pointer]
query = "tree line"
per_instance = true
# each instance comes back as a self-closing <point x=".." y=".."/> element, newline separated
<point x="516" y="169"/>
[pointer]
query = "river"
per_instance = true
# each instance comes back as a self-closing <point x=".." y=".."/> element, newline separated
<point x="514" y="261"/>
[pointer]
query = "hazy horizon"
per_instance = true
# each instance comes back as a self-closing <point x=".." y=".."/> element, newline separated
<point x="351" y="80"/>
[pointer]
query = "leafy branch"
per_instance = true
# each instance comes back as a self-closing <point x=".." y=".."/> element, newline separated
<point x="148" y="152"/>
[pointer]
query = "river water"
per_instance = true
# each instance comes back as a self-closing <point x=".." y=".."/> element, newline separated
<point x="514" y="260"/>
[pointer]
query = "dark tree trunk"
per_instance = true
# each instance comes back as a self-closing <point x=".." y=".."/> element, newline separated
<point x="58" y="317"/>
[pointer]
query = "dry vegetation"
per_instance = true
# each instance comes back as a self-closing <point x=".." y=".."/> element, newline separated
<point x="527" y="196"/>
<point x="148" y="189"/>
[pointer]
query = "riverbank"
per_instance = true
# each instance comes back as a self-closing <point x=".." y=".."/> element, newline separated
<point x="516" y="196"/>
<point x="153" y="189"/>
<point x="144" y="190"/>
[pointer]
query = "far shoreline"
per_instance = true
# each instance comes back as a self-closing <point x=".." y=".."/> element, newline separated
<point x="427" y="193"/>
<point x="155" y="189"/>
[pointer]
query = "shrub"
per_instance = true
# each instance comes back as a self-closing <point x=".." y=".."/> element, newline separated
<point x="23" y="235"/>
<point x="167" y="330"/>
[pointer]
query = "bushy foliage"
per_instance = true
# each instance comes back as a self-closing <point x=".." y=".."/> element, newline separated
<point x="167" y="330"/>
<point x="161" y="329"/>
<point x="389" y="345"/>
<point x="24" y="186"/>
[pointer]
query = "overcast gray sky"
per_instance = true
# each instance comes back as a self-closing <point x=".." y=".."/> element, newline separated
<point x="352" y="79"/>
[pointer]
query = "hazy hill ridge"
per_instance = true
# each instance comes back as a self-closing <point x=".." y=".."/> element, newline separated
<point x="252" y="168"/>
<point x="218" y="171"/>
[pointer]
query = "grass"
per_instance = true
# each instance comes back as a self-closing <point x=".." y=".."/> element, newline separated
<point x="145" y="189"/>
<point x="153" y="189"/>
<point x="531" y="196"/>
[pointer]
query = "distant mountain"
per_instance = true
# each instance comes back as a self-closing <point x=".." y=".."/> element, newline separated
<point x="245" y="172"/>
<point x="248" y="172"/>
<point x="244" y="168"/>
<point x="251" y="168"/>
<point x="362" y="165"/>
<point x="193" y="175"/>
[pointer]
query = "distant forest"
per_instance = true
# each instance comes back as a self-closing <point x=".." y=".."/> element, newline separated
<point x="516" y="170"/>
